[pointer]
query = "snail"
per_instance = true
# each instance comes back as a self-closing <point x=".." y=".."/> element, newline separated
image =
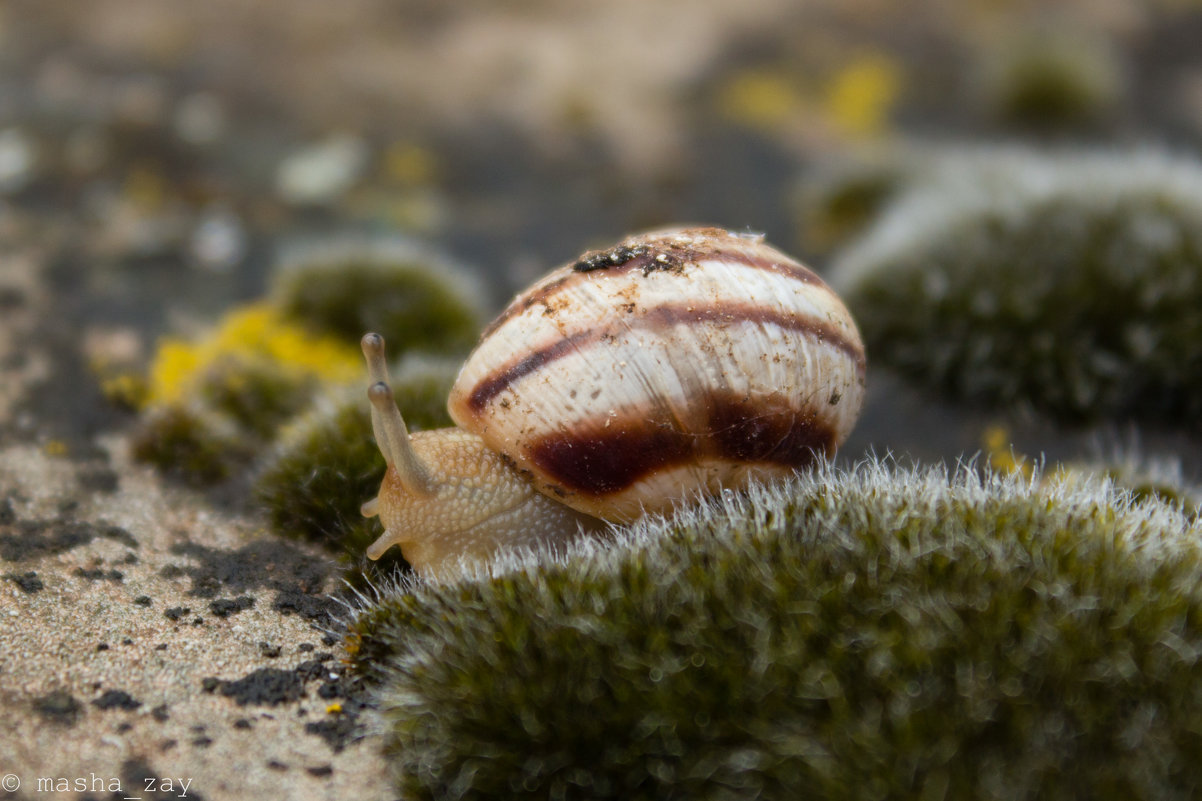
<point x="673" y="365"/>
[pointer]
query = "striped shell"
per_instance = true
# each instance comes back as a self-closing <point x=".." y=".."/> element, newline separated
<point x="677" y="362"/>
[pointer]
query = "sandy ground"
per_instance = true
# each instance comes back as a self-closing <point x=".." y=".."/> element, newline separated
<point x="145" y="637"/>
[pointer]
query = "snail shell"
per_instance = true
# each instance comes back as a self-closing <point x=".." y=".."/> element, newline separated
<point x="676" y="362"/>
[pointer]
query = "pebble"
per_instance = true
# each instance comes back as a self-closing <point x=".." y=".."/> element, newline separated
<point x="18" y="154"/>
<point x="200" y="119"/>
<point x="218" y="241"/>
<point x="323" y="171"/>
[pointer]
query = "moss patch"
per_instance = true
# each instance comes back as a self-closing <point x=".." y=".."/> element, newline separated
<point x="416" y="301"/>
<point x="1066" y="283"/>
<point x="191" y="443"/>
<point x="1051" y="81"/>
<point x="876" y="634"/>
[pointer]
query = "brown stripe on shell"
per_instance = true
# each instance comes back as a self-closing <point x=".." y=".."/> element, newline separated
<point x="610" y="459"/>
<point x="663" y="317"/>
<point x="498" y="381"/>
<point x="650" y="257"/>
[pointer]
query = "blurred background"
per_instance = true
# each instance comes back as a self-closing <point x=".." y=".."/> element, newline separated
<point x="157" y="160"/>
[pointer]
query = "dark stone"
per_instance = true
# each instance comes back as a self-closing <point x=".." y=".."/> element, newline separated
<point x="176" y="612"/>
<point x="58" y="706"/>
<point x="27" y="581"/>
<point x="224" y="607"/>
<point x="116" y="699"/>
<point x="34" y="539"/>
<point x="136" y="775"/>
<point x="311" y="607"/>
<point x="311" y="669"/>
<point x="100" y="574"/>
<point x="337" y="730"/>
<point x="264" y="687"/>
<point x="296" y="578"/>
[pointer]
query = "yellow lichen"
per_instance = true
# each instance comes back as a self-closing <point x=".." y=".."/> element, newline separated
<point x="1000" y="451"/>
<point x="145" y="188"/>
<point x="334" y="708"/>
<point x="250" y="332"/>
<point x="125" y="389"/>
<point x="862" y="94"/>
<point x="410" y="164"/>
<point x="763" y="99"/>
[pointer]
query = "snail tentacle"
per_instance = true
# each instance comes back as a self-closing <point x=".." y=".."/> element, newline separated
<point x="393" y="439"/>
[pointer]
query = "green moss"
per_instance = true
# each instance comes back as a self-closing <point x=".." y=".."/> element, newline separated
<point x="254" y="391"/>
<point x="263" y="363"/>
<point x="327" y="465"/>
<point x="837" y="202"/>
<point x="1068" y="283"/>
<point x="190" y="443"/>
<point x="417" y="302"/>
<point x="1145" y="477"/>
<point x="250" y="373"/>
<point x="1049" y="80"/>
<point x="875" y="634"/>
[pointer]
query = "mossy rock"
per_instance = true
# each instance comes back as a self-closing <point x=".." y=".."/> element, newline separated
<point x="257" y="393"/>
<point x="1067" y="283"/>
<point x="1051" y="81"/>
<point x="416" y="300"/>
<point x="213" y="403"/>
<point x="191" y="443"/>
<point x="837" y="201"/>
<point x="881" y="633"/>
<point x="327" y="464"/>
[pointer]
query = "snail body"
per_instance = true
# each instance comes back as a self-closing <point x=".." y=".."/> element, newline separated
<point x="675" y="364"/>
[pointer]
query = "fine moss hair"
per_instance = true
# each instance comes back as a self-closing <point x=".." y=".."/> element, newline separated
<point x="1066" y="282"/>
<point x="327" y="464"/>
<point x="875" y="633"/>
<point x="415" y="299"/>
<point x="1145" y="475"/>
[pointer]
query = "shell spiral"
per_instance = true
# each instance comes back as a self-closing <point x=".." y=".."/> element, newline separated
<point x="675" y="363"/>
